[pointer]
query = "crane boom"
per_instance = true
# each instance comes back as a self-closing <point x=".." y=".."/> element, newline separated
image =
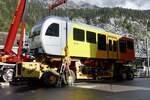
<point x="56" y="3"/>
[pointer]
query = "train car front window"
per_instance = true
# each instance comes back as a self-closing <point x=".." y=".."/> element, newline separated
<point x="53" y="30"/>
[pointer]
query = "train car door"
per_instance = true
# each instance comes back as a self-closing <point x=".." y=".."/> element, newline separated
<point x="52" y="38"/>
<point x="101" y="46"/>
<point x="112" y="48"/>
<point x="122" y="49"/>
<point x="64" y="30"/>
<point x="76" y="43"/>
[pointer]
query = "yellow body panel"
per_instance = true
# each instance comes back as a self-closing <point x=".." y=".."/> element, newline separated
<point x="90" y="50"/>
<point x="83" y="48"/>
<point x="30" y="70"/>
<point x="33" y="70"/>
<point x="101" y="54"/>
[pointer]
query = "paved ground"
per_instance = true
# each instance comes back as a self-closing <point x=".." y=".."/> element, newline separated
<point x="138" y="89"/>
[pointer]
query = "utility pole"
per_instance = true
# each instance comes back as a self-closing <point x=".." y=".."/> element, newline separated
<point x="147" y="42"/>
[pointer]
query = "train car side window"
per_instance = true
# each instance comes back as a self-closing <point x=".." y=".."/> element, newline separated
<point x="114" y="46"/>
<point x="130" y="44"/>
<point x="78" y="34"/>
<point x="101" y="42"/>
<point x="90" y="37"/>
<point x="122" y="46"/>
<point x="53" y="30"/>
<point x="110" y="45"/>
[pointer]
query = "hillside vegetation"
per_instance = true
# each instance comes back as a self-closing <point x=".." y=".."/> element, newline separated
<point x="119" y="20"/>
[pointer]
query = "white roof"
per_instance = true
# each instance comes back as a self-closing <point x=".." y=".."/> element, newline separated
<point x="68" y="20"/>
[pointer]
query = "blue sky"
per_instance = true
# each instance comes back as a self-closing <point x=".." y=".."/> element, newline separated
<point x="131" y="4"/>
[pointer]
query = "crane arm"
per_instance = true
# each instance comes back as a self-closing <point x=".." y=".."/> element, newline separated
<point x="56" y="3"/>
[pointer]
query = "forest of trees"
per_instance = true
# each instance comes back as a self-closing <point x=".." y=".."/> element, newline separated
<point x="37" y="10"/>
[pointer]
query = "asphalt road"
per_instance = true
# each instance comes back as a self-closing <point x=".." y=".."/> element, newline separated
<point x="138" y="89"/>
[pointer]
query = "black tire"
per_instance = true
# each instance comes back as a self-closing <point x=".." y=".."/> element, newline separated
<point x="131" y="76"/>
<point x="121" y="76"/>
<point x="49" y="79"/>
<point x="8" y="75"/>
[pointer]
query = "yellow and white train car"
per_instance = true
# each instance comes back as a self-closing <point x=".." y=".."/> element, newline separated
<point x="53" y="34"/>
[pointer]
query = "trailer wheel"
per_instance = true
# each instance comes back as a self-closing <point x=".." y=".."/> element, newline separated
<point x="49" y="79"/>
<point x="8" y="75"/>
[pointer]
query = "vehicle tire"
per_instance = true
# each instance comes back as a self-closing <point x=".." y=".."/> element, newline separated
<point x="49" y="79"/>
<point x="130" y="76"/>
<point x="8" y="75"/>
